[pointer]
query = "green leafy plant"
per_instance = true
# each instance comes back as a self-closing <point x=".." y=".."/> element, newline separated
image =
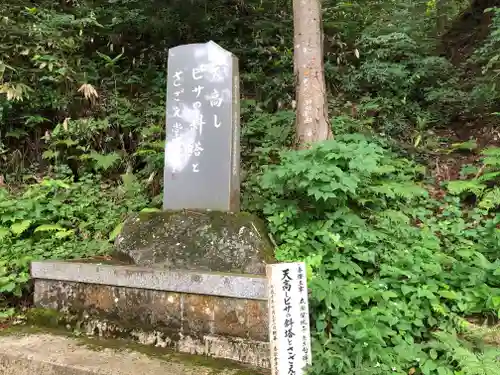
<point x="481" y="181"/>
<point x="389" y="266"/>
<point x="393" y="272"/>
<point x="59" y="219"/>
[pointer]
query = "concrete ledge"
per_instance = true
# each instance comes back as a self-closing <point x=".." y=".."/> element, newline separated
<point x="206" y="283"/>
<point x="44" y="354"/>
<point x="223" y="327"/>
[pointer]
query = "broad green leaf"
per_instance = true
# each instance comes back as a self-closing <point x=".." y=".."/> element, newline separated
<point x="428" y="367"/>
<point x="433" y="354"/>
<point x="448" y="294"/>
<point x="8" y="313"/>
<point x="55" y="183"/>
<point x="444" y="371"/>
<point x="388" y="295"/>
<point x="7" y="288"/>
<point x="152" y="209"/>
<point x="116" y="231"/>
<point x="406" y="289"/>
<point x="20" y="227"/>
<point x="495" y="301"/>
<point x="64" y="233"/>
<point x="49" y="227"/>
<point x="4" y="232"/>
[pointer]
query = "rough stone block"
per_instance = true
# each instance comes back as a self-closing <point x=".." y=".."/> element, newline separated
<point x="196" y="240"/>
<point x="198" y="313"/>
<point x="205" y="283"/>
<point x="147" y="309"/>
<point x="257" y="319"/>
<point x="230" y="317"/>
<point x="222" y="327"/>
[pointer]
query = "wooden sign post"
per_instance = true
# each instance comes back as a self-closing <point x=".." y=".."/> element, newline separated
<point x="289" y="331"/>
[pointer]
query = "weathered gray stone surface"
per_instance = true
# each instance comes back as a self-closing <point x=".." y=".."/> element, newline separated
<point x="196" y="240"/>
<point x="44" y="354"/>
<point x="230" y="328"/>
<point x="202" y="151"/>
<point x="212" y="284"/>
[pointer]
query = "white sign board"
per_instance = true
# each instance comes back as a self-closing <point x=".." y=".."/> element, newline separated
<point x="289" y="333"/>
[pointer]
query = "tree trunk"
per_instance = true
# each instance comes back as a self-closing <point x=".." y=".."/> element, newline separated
<point x="440" y="17"/>
<point x="312" y="108"/>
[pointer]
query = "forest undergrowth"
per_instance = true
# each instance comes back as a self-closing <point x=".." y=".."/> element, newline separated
<point x="396" y="217"/>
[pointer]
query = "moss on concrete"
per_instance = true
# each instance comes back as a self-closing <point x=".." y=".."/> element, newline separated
<point x="196" y="240"/>
<point x="53" y="322"/>
<point x="96" y="326"/>
<point x="168" y="355"/>
<point x="45" y="318"/>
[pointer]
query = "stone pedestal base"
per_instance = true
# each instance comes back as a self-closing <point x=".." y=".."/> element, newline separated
<point x="215" y="314"/>
<point x="196" y="241"/>
<point x="190" y="280"/>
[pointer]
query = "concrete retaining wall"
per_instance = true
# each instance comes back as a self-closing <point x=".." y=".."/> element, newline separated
<point x="219" y="315"/>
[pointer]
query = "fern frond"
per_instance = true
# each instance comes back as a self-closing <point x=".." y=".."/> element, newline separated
<point x="465" y="186"/>
<point x="492" y="151"/>
<point x="491" y="199"/>
<point x="395" y="217"/>
<point x="470" y="363"/>
<point x="399" y="190"/>
<point x="491" y="157"/>
<point x="489" y="176"/>
<point x="104" y="161"/>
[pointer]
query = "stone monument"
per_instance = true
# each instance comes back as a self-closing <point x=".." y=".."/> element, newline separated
<point x="201" y="227"/>
<point x="191" y="277"/>
<point x="202" y="152"/>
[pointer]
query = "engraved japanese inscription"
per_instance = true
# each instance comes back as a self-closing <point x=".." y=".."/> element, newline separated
<point x="202" y="151"/>
<point x="289" y="330"/>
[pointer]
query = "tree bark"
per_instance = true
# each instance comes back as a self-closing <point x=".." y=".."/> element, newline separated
<point x="312" y="108"/>
<point x="440" y="16"/>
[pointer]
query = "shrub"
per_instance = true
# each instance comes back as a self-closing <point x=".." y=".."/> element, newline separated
<point x="392" y="271"/>
<point x="58" y="219"/>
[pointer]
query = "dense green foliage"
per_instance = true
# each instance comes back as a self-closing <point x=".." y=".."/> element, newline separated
<point x="396" y="263"/>
<point x="394" y="271"/>
<point x="56" y="219"/>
